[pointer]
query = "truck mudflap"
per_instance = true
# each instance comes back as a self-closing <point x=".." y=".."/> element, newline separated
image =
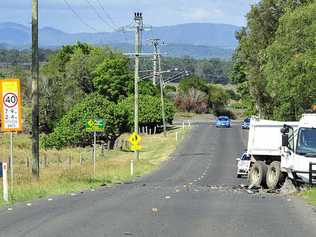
<point x="311" y="174"/>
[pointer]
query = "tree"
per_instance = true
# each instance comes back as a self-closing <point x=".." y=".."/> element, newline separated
<point x="192" y="100"/>
<point x="291" y="69"/>
<point x="70" y="129"/>
<point x="112" y="77"/>
<point x="193" y="82"/>
<point x="67" y="78"/>
<point x="262" y="24"/>
<point x="150" y="113"/>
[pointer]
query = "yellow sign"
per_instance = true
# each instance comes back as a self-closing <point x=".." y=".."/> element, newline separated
<point x="11" y="105"/>
<point x="135" y="139"/>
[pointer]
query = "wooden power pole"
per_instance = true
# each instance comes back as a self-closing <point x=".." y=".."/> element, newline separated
<point x="157" y="59"/>
<point x="139" y="27"/>
<point x="35" y="92"/>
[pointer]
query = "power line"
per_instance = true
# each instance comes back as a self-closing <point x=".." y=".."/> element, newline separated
<point x="99" y="16"/>
<point x="79" y="17"/>
<point x="107" y="14"/>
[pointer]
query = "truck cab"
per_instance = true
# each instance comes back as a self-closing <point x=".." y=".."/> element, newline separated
<point x="299" y="150"/>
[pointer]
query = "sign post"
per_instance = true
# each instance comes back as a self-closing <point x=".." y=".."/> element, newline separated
<point x="134" y="139"/>
<point x="11" y="113"/>
<point x="5" y="181"/>
<point x="95" y="125"/>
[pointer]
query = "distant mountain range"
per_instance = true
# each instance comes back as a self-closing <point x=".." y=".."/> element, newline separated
<point x="199" y="40"/>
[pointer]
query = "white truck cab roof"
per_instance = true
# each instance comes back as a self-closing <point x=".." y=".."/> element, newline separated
<point x="308" y="121"/>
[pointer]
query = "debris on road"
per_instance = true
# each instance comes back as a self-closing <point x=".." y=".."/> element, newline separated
<point x="288" y="188"/>
<point x="155" y="211"/>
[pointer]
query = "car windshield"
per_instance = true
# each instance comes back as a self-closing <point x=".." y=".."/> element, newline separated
<point x="307" y="142"/>
<point x="247" y="120"/>
<point x="245" y="157"/>
<point x="222" y="119"/>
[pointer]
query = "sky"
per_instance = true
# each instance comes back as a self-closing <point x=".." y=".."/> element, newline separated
<point x="107" y="15"/>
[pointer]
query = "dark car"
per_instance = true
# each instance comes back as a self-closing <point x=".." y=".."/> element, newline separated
<point x="246" y="123"/>
<point x="223" y="122"/>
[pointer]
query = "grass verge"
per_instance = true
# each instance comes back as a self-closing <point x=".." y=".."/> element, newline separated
<point x="71" y="170"/>
<point x="310" y="196"/>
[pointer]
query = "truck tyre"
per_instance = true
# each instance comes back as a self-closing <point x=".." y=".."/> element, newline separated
<point x="257" y="174"/>
<point x="274" y="176"/>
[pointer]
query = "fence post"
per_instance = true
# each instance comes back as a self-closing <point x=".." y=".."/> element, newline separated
<point x="5" y="181"/>
<point x="81" y="159"/>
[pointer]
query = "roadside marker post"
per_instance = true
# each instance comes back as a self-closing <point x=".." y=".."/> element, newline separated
<point x="132" y="167"/>
<point x="5" y="181"/>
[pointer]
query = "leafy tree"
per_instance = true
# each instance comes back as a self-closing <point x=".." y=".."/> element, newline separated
<point x="291" y="68"/>
<point x="193" y="82"/>
<point x="70" y="129"/>
<point x="150" y="113"/>
<point x="218" y="97"/>
<point x="262" y="24"/>
<point x="147" y="88"/>
<point x="112" y="77"/>
<point x="67" y="78"/>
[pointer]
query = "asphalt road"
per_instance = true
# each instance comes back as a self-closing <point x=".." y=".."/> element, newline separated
<point x="194" y="194"/>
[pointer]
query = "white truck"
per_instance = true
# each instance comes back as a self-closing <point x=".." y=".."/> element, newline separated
<point x="282" y="149"/>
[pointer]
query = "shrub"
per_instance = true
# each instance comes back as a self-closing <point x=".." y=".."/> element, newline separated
<point x="149" y="110"/>
<point x="70" y="130"/>
<point x="192" y="101"/>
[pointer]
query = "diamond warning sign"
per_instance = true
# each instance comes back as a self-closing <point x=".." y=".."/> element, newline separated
<point x="11" y="105"/>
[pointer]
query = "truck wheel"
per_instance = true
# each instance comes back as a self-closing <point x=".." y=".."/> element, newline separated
<point x="274" y="175"/>
<point x="257" y="174"/>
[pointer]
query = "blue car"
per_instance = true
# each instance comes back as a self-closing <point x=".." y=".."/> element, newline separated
<point x="246" y="123"/>
<point x="223" y="122"/>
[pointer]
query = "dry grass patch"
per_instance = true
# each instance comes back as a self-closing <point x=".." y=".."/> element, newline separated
<point x="71" y="169"/>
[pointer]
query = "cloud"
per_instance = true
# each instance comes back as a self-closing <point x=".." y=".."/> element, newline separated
<point x="202" y="14"/>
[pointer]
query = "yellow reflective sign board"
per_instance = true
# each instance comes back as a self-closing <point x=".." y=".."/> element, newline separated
<point x="135" y="139"/>
<point x="11" y="105"/>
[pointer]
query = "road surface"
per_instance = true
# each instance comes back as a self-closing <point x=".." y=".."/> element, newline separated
<point x="194" y="194"/>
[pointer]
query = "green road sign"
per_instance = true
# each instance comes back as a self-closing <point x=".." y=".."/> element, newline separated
<point x="95" y="125"/>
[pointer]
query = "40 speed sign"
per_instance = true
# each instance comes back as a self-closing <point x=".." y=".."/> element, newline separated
<point x="11" y="105"/>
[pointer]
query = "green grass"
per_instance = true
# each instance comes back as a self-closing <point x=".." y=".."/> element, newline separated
<point x="63" y="173"/>
<point x="310" y="196"/>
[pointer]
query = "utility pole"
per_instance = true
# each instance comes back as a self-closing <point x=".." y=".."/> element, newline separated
<point x="35" y="93"/>
<point x="157" y="58"/>
<point x="139" y="27"/>
<point x="162" y="97"/>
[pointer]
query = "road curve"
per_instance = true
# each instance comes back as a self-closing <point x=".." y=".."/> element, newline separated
<point x="194" y="194"/>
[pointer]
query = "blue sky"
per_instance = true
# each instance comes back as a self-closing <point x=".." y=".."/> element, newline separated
<point x="55" y="13"/>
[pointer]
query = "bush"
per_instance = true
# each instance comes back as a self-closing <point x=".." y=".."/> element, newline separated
<point x="149" y="110"/>
<point x="70" y="130"/>
<point x="192" y="101"/>
<point x="193" y="82"/>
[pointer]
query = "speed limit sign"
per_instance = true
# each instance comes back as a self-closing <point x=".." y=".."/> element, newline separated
<point x="10" y="100"/>
<point x="11" y="105"/>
